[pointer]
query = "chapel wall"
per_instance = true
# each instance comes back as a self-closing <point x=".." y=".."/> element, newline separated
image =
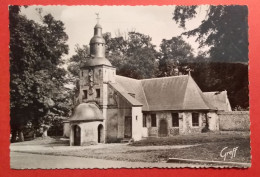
<point x="185" y="123"/>
<point x="118" y="109"/>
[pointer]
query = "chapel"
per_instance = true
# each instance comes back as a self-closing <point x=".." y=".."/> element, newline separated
<point x="112" y="108"/>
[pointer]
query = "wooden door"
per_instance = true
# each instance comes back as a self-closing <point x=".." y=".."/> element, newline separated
<point x="100" y="134"/>
<point x="76" y="135"/>
<point x="128" y="127"/>
<point x="163" y="128"/>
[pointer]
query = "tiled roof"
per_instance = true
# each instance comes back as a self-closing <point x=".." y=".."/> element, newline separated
<point x="125" y="94"/>
<point x="135" y="87"/>
<point x="167" y="93"/>
<point x="219" y="100"/>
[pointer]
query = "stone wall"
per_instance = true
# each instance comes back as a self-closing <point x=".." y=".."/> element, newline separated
<point x="185" y="123"/>
<point x="234" y="121"/>
<point x="213" y="121"/>
<point x="88" y="132"/>
<point x="118" y="109"/>
<point x="66" y="129"/>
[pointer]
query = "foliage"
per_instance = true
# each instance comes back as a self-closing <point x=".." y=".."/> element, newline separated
<point x="225" y="30"/>
<point x="134" y="56"/>
<point x="232" y="77"/>
<point x="82" y="54"/>
<point x="37" y="77"/>
<point x="175" y="55"/>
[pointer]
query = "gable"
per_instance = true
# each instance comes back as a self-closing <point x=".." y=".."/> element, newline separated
<point x="194" y="98"/>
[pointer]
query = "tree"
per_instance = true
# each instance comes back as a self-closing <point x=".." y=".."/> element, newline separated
<point x="36" y="74"/>
<point x="175" y="55"/>
<point x="134" y="56"/>
<point x="82" y="54"/>
<point x="212" y="76"/>
<point x="224" y="30"/>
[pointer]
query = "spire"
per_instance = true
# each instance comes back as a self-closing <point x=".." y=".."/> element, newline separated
<point x="97" y="46"/>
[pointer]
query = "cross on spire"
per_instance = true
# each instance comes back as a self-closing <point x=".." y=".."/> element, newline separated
<point x="97" y="14"/>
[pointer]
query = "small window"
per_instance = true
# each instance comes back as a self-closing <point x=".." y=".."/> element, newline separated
<point x="82" y="73"/>
<point x="175" y="119"/>
<point x="154" y="123"/>
<point x="85" y="92"/>
<point x="98" y="93"/>
<point x="144" y="120"/>
<point x="99" y="72"/>
<point x="195" y="119"/>
<point x="132" y="95"/>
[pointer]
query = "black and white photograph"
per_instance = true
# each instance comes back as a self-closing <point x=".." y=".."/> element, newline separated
<point x="129" y="87"/>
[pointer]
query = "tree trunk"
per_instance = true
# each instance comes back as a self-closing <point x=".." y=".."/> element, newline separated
<point x="44" y="134"/>
<point x="14" y="133"/>
<point x="20" y="136"/>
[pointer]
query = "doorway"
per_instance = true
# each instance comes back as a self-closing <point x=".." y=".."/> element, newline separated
<point x="128" y="127"/>
<point x="77" y="133"/>
<point x="100" y="133"/>
<point x="163" y="128"/>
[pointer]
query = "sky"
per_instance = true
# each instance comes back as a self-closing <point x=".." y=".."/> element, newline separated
<point x="155" y="21"/>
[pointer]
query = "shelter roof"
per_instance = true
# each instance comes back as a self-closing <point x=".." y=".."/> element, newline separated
<point x="87" y="112"/>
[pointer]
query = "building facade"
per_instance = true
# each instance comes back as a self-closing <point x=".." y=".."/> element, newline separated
<point x="112" y="108"/>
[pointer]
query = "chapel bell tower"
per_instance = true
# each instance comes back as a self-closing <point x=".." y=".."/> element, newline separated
<point x="96" y="72"/>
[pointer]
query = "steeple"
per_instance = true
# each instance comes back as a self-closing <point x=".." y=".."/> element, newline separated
<point x="97" y="47"/>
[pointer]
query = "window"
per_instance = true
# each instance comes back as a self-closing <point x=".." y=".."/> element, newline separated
<point x="195" y="119"/>
<point x="144" y="120"/>
<point x="175" y="119"/>
<point x="132" y="95"/>
<point x="154" y="123"/>
<point x="85" y="92"/>
<point x="97" y="93"/>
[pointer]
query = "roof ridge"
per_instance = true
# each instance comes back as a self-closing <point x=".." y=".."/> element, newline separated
<point x="128" y="78"/>
<point x="167" y="77"/>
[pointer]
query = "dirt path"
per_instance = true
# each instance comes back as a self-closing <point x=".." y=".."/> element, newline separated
<point x="36" y="161"/>
<point x="118" y="147"/>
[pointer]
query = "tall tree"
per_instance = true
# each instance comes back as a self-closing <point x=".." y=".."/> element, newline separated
<point x="36" y="74"/>
<point x="82" y="54"/>
<point x="134" y="55"/>
<point x="175" y="56"/>
<point x="224" y="30"/>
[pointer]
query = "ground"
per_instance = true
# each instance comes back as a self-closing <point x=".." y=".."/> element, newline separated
<point x="152" y="150"/>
